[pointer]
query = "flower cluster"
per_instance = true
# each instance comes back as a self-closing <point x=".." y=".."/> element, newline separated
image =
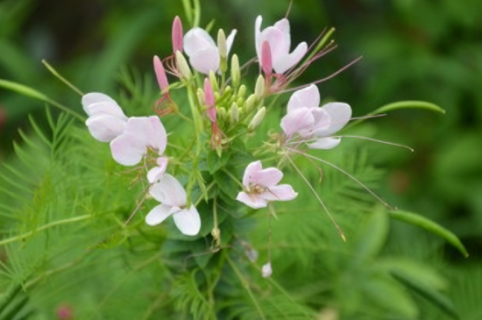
<point x="223" y="109"/>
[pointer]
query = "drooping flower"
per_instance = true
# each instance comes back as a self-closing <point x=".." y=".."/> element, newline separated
<point x="202" y="50"/>
<point x="279" y="39"/>
<point x="140" y="135"/>
<point x="173" y="200"/>
<point x="261" y="186"/>
<point x="106" y="120"/>
<point x="312" y="122"/>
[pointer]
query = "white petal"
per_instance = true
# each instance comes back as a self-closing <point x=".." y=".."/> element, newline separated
<point x="308" y="97"/>
<point x="283" y="192"/>
<point x="277" y="43"/>
<point x="257" y="36"/>
<point x="169" y="191"/>
<point x="197" y="39"/>
<point x="95" y="97"/>
<point x="288" y="61"/>
<point x="127" y="149"/>
<point x="158" y="214"/>
<point x="340" y="114"/>
<point x="149" y="130"/>
<point x="205" y="60"/>
<point x="297" y="120"/>
<point x="325" y="143"/>
<point x="251" y="200"/>
<point x="188" y="221"/>
<point x="321" y="123"/>
<point x="267" y="178"/>
<point x="104" y="127"/>
<point x="266" y="270"/>
<point x="250" y="171"/>
<point x="230" y="40"/>
<point x="155" y="174"/>
<point x="106" y="107"/>
<point x="284" y="26"/>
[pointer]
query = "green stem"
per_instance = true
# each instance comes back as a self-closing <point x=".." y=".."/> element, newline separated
<point x="204" y="193"/>
<point x="184" y="117"/>
<point x="233" y="177"/>
<point x="56" y="74"/>
<point x="245" y="284"/>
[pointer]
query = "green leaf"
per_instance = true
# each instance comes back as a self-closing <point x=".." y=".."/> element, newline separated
<point x="409" y="104"/>
<point x="215" y="162"/>
<point x="430" y="226"/>
<point x="226" y="183"/>
<point x="372" y="234"/>
<point x="431" y="295"/>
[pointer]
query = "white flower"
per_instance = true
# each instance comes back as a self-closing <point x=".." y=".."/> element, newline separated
<point x="266" y="270"/>
<point x="202" y="50"/>
<point x="173" y="197"/>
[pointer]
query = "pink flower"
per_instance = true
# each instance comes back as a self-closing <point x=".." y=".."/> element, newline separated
<point x="312" y="122"/>
<point x="140" y="135"/>
<point x="173" y="200"/>
<point x="106" y="120"/>
<point x="202" y="50"/>
<point x="261" y="186"/>
<point x="279" y="39"/>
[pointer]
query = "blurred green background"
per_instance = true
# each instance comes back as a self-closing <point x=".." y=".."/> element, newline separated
<point x="412" y="50"/>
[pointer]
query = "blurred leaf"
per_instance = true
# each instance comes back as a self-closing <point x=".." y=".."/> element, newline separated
<point x="409" y="104"/>
<point x="372" y="234"/>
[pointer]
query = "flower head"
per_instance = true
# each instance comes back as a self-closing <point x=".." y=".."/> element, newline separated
<point x="202" y="50"/>
<point x="279" y="39"/>
<point x="261" y="186"/>
<point x="140" y="135"/>
<point x="106" y="120"/>
<point x="173" y="197"/>
<point x="310" y="121"/>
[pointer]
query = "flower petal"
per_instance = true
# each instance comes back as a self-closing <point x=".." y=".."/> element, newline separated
<point x="257" y="36"/>
<point x="251" y="200"/>
<point x="205" y="60"/>
<point x="127" y="149"/>
<point x="278" y="45"/>
<point x="230" y="40"/>
<point x="284" y="26"/>
<point x="267" y="178"/>
<point x="283" y="192"/>
<point x="308" y="97"/>
<point x="188" y="221"/>
<point x="340" y="114"/>
<point x="169" y="191"/>
<point x="149" y="130"/>
<point x="321" y="123"/>
<point x="288" y="61"/>
<point x="159" y="213"/>
<point x="297" y="120"/>
<point x="95" y="97"/>
<point x="156" y="173"/>
<point x="325" y="143"/>
<point x="250" y="171"/>
<point x="104" y="127"/>
<point x="266" y="270"/>
<point x="197" y="39"/>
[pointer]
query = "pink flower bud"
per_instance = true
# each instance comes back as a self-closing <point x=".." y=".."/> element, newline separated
<point x="212" y="114"/>
<point x="64" y="312"/>
<point x="177" y="34"/>
<point x="160" y="74"/>
<point x="266" y="59"/>
<point x="208" y="93"/>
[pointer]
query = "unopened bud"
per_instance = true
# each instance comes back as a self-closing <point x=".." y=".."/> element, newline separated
<point x="235" y="71"/>
<point x="259" y="89"/>
<point x="222" y="113"/>
<point x="222" y="47"/>
<point x="177" y="35"/>
<point x="259" y="116"/>
<point x="208" y="93"/>
<point x="216" y="233"/>
<point x="266" y="270"/>
<point x="160" y="75"/>
<point x="250" y="102"/>
<point x="234" y="113"/>
<point x="214" y="81"/>
<point x="183" y="66"/>
<point x="200" y="96"/>
<point x="242" y="91"/>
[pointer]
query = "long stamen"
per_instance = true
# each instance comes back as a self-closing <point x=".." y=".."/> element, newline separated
<point x="137" y="208"/>
<point x="347" y="174"/>
<point x="316" y="195"/>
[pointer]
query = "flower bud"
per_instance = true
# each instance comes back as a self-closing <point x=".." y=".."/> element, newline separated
<point x="266" y="270"/>
<point x="250" y="103"/>
<point x="234" y="113"/>
<point x="257" y="119"/>
<point x="161" y="75"/>
<point x="222" y="113"/>
<point x="183" y="66"/>
<point x="259" y="89"/>
<point x="177" y="35"/>
<point x="214" y="81"/>
<point x="200" y="96"/>
<point x="235" y="71"/>
<point x="208" y="93"/>
<point x="242" y="91"/>
<point x="223" y="51"/>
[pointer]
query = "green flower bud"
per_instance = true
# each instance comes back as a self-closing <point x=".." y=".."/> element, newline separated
<point x="183" y="66"/>
<point x="200" y="96"/>
<point x="259" y="116"/>
<point x="223" y="51"/>
<point x="234" y="113"/>
<point x="259" y="90"/>
<point x="214" y="81"/>
<point x="242" y="91"/>
<point x="221" y="113"/>
<point x="235" y="71"/>
<point x="250" y="103"/>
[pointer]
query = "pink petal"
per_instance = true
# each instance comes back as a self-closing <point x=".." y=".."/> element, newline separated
<point x="169" y="191"/>
<point x="267" y="178"/>
<point x="297" y="120"/>
<point x="266" y="61"/>
<point x="283" y="192"/>
<point x="159" y="213"/>
<point x="149" y="131"/>
<point x="250" y="171"/>
<point x="208" y="94"/>
<point x="95" y="97"/>
<point x="308" y="97"/>
<point x="205" y="60"/>
<point x="340" y="114"/>
<point x="161" y="73"/>
<point x="286" y="62"/>
<point x="325" y="143"/>
<point x="188" y="221"/>
<point x="127" y="149"/>
<point x="251" y="200"/>
<point x="197" y="39"/>
<point x="230" y="40"/>
<point x="177" y="35"/>
<point x="106" y="107"/>
<point x="104" y="127"/>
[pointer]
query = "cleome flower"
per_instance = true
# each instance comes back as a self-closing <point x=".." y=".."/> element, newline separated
<point x="141" y="134"/>
<point x="106" y="120"/>
<point x="261" y="186"/>
<point x="202" y="50"/>
<point x="314" y="123"/>
<point x="173" y="197"/>
<point x="279" y="39"/>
